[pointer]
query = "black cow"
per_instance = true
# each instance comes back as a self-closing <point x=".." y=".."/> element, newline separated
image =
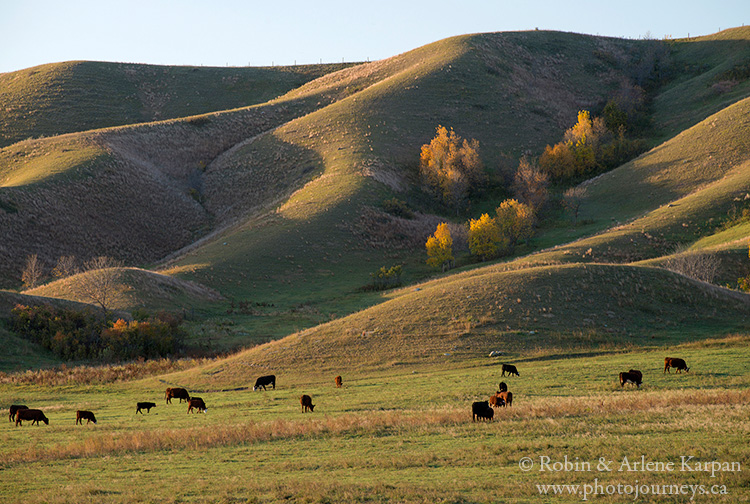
<point x="482" y="411"/>
<point x="197" y="403"/>
<point x="673" y="362"/>
<point x="510" y="369"/>
<point x="636" y="378"/>
<point x="34" y="415"/>
<point x="306" y="402"/>
<point x="265" y="380"/>
<point x="144" y="405"/>
<point x="13" y="409"/>
<point x="82" y="415"/>
<point x="502" y="387"/>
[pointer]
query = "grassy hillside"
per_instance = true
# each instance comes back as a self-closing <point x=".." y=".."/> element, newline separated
<point x="527" y="312"/>
<point x="59" y="98"/>
<point x="139" y="289"/>
<point x="276" y="205"/>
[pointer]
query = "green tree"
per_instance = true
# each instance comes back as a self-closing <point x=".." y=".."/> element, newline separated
<point x="440" y="248"/>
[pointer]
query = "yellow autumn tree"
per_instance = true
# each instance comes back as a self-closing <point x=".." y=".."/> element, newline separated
<point x="450" y="167"/>
<point x="440" y="248"/>
<point x="515" y="221"/>
<point x="485" y="240"/>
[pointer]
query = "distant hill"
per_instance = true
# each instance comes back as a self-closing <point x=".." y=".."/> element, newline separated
<point x="59" y="98"/>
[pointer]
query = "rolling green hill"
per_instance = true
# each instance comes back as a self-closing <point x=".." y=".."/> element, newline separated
<point x="276" y="205"/>
<point x="59" y="98"/>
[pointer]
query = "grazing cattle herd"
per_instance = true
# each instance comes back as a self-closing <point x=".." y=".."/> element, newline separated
<point x="481" y="410"/>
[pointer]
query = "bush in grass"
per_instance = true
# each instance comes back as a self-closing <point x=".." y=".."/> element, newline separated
<point x="76" y="335"/>
<point x="386" y="278"/>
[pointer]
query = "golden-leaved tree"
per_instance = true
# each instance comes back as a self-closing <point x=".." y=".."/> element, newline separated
<point x="485" y="240"/>
<point x="515" y="221"/>
<point x="450" y="167"/>
<point x="440" y="248"/>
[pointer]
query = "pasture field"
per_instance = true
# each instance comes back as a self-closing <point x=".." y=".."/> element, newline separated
<point x="403" y="434"/>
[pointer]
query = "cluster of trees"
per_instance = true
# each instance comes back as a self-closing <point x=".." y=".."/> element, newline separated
<point x="75" y="335"/>
<point x="451" y="169"/>
<point x="590" y="146"/>
<point x="386" y="278"/>
<point x="489" y="237"/>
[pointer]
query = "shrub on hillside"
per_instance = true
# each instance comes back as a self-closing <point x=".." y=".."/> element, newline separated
<point x="386" y="278"/>
<point x="76" y="335"/>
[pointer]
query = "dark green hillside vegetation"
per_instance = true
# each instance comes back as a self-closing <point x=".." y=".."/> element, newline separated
<point x="74" y="96"/>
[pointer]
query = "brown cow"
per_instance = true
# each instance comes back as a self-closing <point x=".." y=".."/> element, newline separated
<point x="13" y="409"/>
<point x="673" y="362"/>
<point x="197" y="403"/>
<point x="633" y="376"/>
<point x="82" y="415"/>
<point x="306" y="402"/>
<point x="338" y="381"/>
<point x="177" y="393"/>
<point x="496" y="401"/>
<point x="482" y="411"/>
<point x="507" y="398"/>
<point x="34" y="415"/>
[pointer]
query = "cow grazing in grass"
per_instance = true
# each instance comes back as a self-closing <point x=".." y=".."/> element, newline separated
<point x="507" y="398"/>
<point x="306" y="402"/>
<point x="82" y="415"/>
<point x="177" y="393"/>
<point x="197" y="403"/>
<point x="636" y="378"/>
<point x="263" y="381"/>
<point x="34" y="415"/>
<point x="144" y="406"/>
<point x="482" y="411"/>
<point x="338" y="381"/>
<point x="502" y="387"/>
<point x="14" y="409"/>
<point x="510" y="369"/>
<point x="672" y="362"/>
<point x="496" y="401"/>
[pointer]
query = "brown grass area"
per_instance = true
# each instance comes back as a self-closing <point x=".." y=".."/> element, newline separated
<point x="87" y="374"/>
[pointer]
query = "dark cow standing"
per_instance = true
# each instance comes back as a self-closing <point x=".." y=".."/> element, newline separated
<point x="630" y="377"/>
<point x="482" y="411"/>
<point x="306" y="402"/>
<point x="82" y="415"/>
<point x="34" y="415"/>
<point x="338" y="381"/>
<point x="510" y="369"/>
<point x="177" y="393"/>
<point x="144" y="405"/>
<point x="197" y="403"/>
<point x="14" y="409"/>
<point x="502" y="387"/>
<point x="673" y="362"/>
<point x="265" y="380"/>
<point x="633" y="376"/>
